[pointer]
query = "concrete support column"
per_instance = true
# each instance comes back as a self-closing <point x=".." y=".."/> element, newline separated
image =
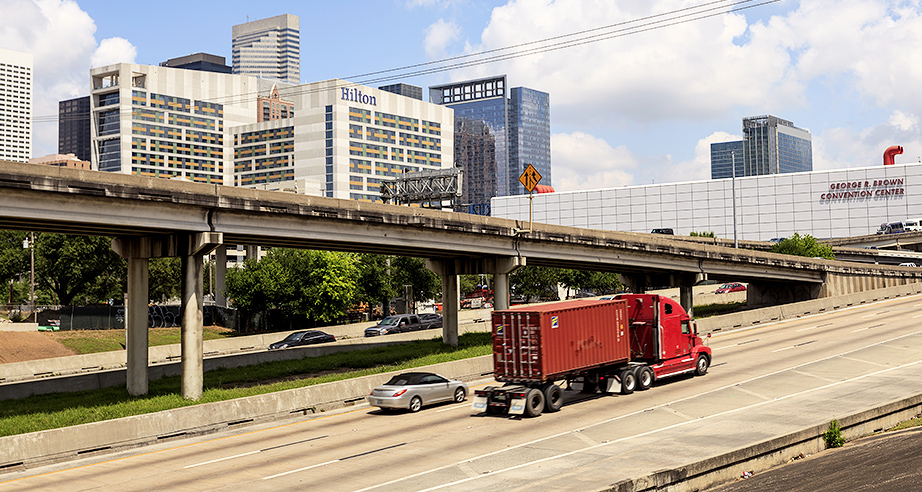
<point x="220" y="275"/>
<point x="136" y="324"/>
<point x="687" y="299"/>
<point x="637" y="284"/>
<point x="450" y="307"/>
<point x="500" y="291"/>
<point x="191" y="340"/>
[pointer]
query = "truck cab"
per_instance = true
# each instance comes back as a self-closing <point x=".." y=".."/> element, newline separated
<point x="664" y="336"/>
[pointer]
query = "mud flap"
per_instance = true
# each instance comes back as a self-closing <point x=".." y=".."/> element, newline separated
<point x="517" y="406"/>
<point x="480" y="404"/>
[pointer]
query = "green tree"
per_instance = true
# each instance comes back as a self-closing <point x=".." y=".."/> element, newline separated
<point x="164" y="278"/>
<point x="373" y="283"/>
<point x="703" y="234"/>
<point x="71" y="267"/>
<point x="805" y="245"/>
<point x="534" y="282"/>
<point x="406" y="270"/>
<point x="14" y="260"/>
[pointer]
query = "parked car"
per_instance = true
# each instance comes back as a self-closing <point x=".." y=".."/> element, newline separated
<point x="412" y="390"/>
<point x="664" y="230"/>
<point x="398" y="323"/>
<point x="908" y="264"/>
<point x="430" y="320"/>
<point x="731" y="287"/>
<point x="303" y="338"/>
<point x="776" y="239"/>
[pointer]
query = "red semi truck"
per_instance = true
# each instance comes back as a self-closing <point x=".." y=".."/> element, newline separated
<point x="617" y="345"/>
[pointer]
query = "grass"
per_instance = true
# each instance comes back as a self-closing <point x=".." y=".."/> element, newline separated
<point x="718" y="309"/>
<point x="916" y="422"/>
<point x="45" y="412"/>
<point x="95" y="341"/>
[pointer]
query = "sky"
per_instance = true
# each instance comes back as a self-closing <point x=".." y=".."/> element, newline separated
<point x="639" y="103"/>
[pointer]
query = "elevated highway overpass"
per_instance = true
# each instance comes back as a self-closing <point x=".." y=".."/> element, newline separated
<point x="151" y="217"/>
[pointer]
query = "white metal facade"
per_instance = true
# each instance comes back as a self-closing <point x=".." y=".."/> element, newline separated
<point x="824" y="204"/>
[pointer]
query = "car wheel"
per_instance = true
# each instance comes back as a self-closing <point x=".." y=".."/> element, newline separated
<point x="460" y="395"/>
<point x="701" y="367"/>
<point x="415" y="404"/>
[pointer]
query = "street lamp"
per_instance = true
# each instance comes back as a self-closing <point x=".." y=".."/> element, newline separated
<point x="29" y="243"/>
<point x="736" y="243"/>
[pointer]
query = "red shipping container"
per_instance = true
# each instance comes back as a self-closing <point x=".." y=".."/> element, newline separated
<point x="543" y="343"/>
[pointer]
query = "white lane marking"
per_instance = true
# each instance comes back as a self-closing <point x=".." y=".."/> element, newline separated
<point x="613" y="419"/>
<point x="861" y="329"/>
<point x="656" y="431"/>
<point x="454" y="407"/>
<point x="301" y="469"/>
<point x="222" y="459"/>
<point x="807" y="329"/>
<point x="870" y="315"/>
<point x="917" y="316"/>
<point x="783" y="349"/>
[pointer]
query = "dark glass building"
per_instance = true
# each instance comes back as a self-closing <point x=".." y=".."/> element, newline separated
<point x="407" y="90"/>
<point x="203" y="62"/>
<point x="771" y="145"/>
<point x="74" y="127"/>
<point x="517" y="122"/>
<point x="723" y="156"/>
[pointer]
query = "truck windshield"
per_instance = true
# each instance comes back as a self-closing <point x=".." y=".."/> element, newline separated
<point x="390" y="320"/>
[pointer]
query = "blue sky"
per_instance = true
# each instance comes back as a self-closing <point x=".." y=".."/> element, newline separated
<point x="628" y="110"/>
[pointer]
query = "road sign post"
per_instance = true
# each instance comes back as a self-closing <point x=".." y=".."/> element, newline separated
<point x="529" y="179"/>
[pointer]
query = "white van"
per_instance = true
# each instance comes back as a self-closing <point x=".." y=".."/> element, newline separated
<point x="910" y="225"/>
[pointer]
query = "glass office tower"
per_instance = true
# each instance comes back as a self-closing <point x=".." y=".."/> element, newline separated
<point x="771" y="145"/>
<point x="513" y="131"/>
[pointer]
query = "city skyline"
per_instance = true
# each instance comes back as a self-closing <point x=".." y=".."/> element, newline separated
<point x="627" y="110"/>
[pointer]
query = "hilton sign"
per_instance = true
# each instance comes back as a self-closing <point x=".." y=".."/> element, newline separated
<point x="356" y="95"/>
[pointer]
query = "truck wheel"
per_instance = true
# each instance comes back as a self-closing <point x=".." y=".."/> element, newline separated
<point x="534" y="402"/>
<point x="415" y="404"/>
<point x="644" y="377"/>
<point x="701" y="366"/>
<point x="553" y="398"/>
<point x="628" y="382"/>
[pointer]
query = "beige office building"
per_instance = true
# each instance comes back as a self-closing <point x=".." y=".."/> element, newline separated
<point x="15" y="105"/>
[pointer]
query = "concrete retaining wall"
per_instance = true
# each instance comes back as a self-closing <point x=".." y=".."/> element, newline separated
<point x="759" y="457"/>
<point x="54" y="445"/>
<point x="752" y="317"/>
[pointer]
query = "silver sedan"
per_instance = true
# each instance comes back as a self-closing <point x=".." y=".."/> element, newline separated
<point x="412" y="390"/>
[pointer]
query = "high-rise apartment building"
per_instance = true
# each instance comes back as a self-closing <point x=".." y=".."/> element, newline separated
<point x="770" y="145"/>
<point x="167" y="122"/>
<point x="517" y="124"/>
<point x="344" y="138"/>
<point x="15" y="105"/>
<point x="74" y="127"/>
<point x="268" y="49"/>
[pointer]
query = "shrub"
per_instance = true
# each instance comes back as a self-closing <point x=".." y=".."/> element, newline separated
<point x="833" y="435"/>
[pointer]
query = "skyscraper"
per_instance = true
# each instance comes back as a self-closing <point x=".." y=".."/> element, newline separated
<point x="771" y="145"/>
<point x="74" y="127"/>
<point x="268" y="49"/>
<point x="514" y="123"/>
<point x="15" y="105"/>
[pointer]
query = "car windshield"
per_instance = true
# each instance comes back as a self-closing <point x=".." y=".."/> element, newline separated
<point x="390" y="320"/>
<point x="726" y="286"/>
<point x="404" y="379"/>
<point x="294" y="336"/>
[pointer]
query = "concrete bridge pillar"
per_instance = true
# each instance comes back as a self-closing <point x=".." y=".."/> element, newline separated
<point x="193" y="248"/>
<point x="220" y="276"/>
<point x="137" y="253"/>
<point x="450" y="269"/>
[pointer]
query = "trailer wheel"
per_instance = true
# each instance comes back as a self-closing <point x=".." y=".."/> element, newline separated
<point x="553" y="398"/>
<point x="701" y="366"/>
<point x="534" y="402"/>
<point x="628" y="381"/>
<point x="644" y="377"/>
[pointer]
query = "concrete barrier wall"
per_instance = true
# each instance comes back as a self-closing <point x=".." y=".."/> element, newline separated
<point x="18" y="326"/>
<point x="753" y="317"/>
<point x="759" y="457"/>
<point x="66" y="443"/>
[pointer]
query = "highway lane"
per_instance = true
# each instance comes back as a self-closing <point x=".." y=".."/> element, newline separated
<point x="764" y="382"/>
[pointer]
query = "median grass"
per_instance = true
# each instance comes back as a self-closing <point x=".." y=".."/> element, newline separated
<point x="45" y="412"/>
<point x="95" y="341"/>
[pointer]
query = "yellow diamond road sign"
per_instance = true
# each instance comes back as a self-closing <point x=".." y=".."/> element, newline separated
<point x="530" y="178"/>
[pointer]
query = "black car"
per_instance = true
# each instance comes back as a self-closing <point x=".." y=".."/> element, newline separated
<point x="303" y="338"/>
<point x="430" y="320"/>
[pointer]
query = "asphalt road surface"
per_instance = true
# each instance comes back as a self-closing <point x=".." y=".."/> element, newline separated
<point x="764" y="382"/>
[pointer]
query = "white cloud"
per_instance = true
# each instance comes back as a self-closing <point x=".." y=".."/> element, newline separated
<point x="581" y="161"/>
<point x="903" y="121"/>
<point x="60" y="37"/>
<point x="113" y="50"/>
<point x="438" y="36"/>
